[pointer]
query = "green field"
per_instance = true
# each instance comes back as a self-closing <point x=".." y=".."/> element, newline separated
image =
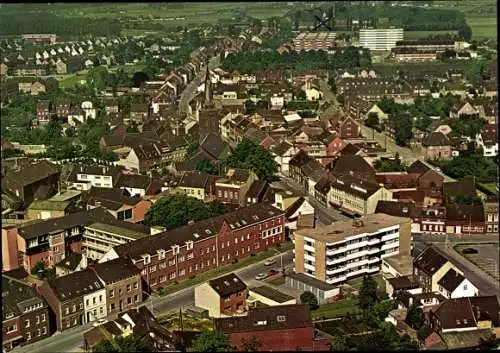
<point x="424" y="34"/>
<point x="337" y="309"/>
<point x="72" y="80"/>
<point x="483" y="26"/>
<point x="492" y="187"/>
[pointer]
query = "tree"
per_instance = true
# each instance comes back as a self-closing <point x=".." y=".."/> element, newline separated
<point x="138" y="78"/>
<point x="123" y="344"/>
<point x="249" y="155"/>
<point x="415" y="317"/>
<point x="251" y="344"/>
<point x="301" y="96"/>
<point x="339" y="340"/>
<point x="424" y="332"/>
<point x="205" y="166"/>
<point x="174" y="211"/>
<point x="403" y="125"/>
<point x="372" y="120"/>
<point x="38" y="269"/>
<point x="212" y="341"/>
<point x="309" y="298"/>
<point x="465" y="32"/>
<point x="368" y="293"/>
<point x="132" y="128"/>
<point x="390" y="165"/>
<point x="250" y="107"/>
<point x="192" y="148"/>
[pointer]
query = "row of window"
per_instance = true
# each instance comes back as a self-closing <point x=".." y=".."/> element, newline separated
<point x="39" y="332"/>
<point x="129" y="288"/>
<point x="27" y="322"/>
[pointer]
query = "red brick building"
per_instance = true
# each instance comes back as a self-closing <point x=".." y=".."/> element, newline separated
<point x="180" y="253"/>
<point x="277" y="328"/>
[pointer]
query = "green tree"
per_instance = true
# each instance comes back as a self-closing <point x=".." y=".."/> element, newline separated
<point x="403" y="125"/>
<point x="123" y="344"/>
<point x="174" y="211"/>
<point x="251" y="344"/>
<point x="415" y="317"/>
<point x="212" y="341"/>
<point x="339" y="340"/>
<point x="205" y="166"/>
<point x="38" y="269"/>
<point x="192" y="149"/>
<point x="465" y="32"/>
<point x="250" y="107"/>
<point x="424" y="332"/>
<point x="390" y="165"/>
<point x="301" y="96"/>
<point x="372" y="120"/>
<point x="368" y="293"/>
<point x="309" y="298"/>
<point x="249" y="155"/>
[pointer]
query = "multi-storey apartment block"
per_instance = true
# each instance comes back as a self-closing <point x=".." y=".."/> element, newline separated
<point x="380" y="39"/>
<point x="345" y="249"/>
<point x="314" y="41"/>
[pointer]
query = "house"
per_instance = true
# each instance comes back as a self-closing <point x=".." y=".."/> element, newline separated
<point x="487" y="139"/>
<point x="465" y="109"/>
<point x="214" y="149"/>
<point x="25" y="314"/>
<point x="277" y="328"/>
<point x="84" y="177"/>
<point x="88" y="110"/>
<point x="465" y="219"/>
<point x="23" y="184"/>
<point x="134" y="184"/>
<point x="61" y="67"/>
<point x="170" y="256"/>
<point x="75" y="299"/>
<point x="122" y="283"/>
<point x="46" y="209"/>
<point x="401" y="283"/>
<point x="347" y="128"/>
<point x="223" y="296"/>
<point x="300" y="214"/>
<point x="198" y="185"/>
<point x="111" y="107"/>
<point x="72" y="262"/>
<point x="43" y="111"/>
<point x="139" y="112"/>
<point x="303" y="168"/>
<point x="268" y="296"/>
<point x="453" y="285"/>
<point x="257" y="192"/>
<point x="491" y="214"/>
<point x="62" y="108"/>
<point x="436" y="145"/>
<point x="283" y="153"/>
<point x="455" y="189"/>
<point x="234" y="186"/>
<point x="429" y="267"/>
<point x="465" y="314"/>
<point x="353" y="165"/>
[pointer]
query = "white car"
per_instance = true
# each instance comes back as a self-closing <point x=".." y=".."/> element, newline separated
<point x="100" y="322"/>
<point x="261" y="276"/>
<point x="270" y="262"/>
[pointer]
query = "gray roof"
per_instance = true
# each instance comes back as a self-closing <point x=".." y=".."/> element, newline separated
<point x="436" y="138"/>
<point x="28" y="174"/>
<point x="451" y="280"/>
<point x="214" y="146"/>
<point x="116" y="270"/>
<point x="75" y="284"/>
<point x="227" y="285"/>
<point x="16" y="295"/>
<point x="71" y="261"/>
<point x="272" y="294"/>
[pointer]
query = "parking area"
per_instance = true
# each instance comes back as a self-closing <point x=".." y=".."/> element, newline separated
<point x="485" y="256"/>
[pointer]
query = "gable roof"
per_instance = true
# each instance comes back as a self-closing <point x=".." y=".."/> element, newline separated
<point x="417" y="167"/>
<point x="115" y="270"/>
<point x="397" y="208"/>
<point x="281" y="317"/>
<point x="465" y="312"/>
<point x="227" y="285"/>
<point x="16" y="295"/>
<point x="451" y="280"/>
<point x="194" y="179"/>
<point x="75" y="284"/>
<point x="111" y="198"/>
<point x="71" y="261"/>
<point x="28" y="174"/>
<point x="467" y="213"/>
<point x="257" y="189"/>
<point x="435" y="139"/>
<point x="354" y="186"/>
<point x="213" y="145"/>
<point x="135" y="181"/>
<point x="282" y="148"/>
<point x="240" y="218"/>
<point x="353" y="165"/>
<point x="429" y="261"/>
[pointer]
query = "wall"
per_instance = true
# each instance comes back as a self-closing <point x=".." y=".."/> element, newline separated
<point x="97" y="310"/>
<point x="235" y="303"/>
<point x="123" y="299"/>
<point x="405" y="238"/>
<point x="278" y="340"/>
<point x="320" y="259"/>
<point x="299" y="253"/>
<point x="205" y="297"/>
<point x="9" y="249"/>
<point x="42" y="317"/>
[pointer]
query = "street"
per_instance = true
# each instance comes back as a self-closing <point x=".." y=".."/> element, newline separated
<point x="72" y="340"/>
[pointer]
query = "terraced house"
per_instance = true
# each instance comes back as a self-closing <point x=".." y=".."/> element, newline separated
<point x="205" y="245"/>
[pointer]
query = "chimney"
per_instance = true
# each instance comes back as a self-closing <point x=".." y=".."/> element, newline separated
<point x="191" y="222"/>
<point x="98" y="204"/>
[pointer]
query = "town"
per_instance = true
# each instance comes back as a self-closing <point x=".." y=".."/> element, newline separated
<point x="292" y="176"/>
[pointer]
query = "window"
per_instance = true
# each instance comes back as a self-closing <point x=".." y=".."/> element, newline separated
<point x="43" y="317"/>
<point x="100" y="298"/>
<point x="27" y="323"/>
<point x="180" y="259"/>
<point x="172" y="275"/>
<point x="93" y="300"/>
<point x="171" y="262"/>
<point x="67" y="310"/>
<point x="190" y="256"/>
<point x="81" y="306"/>
<point x="129" y="300"/>
<point x="182" y="272"/>
<point x="236" y="240"/>
<point x="152" y="269"/>
<point x="112" y="293"/>
<point x="163" y="278"/>
<point x="281" y="318"/>
<point x="136" y="298"/>
<point x="28" y="337"/>
<point x="112" y="306"/>
<point x="74" y="308"/>
<point x="129" y="287"/>
<point x="136" y="285"/>
<point x="465" y="287"/>
<point x="37" y="319"/>
<point x="88" y="302"/>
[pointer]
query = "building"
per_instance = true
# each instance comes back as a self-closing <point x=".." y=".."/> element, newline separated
<point x="413" y="55"/>
<point x="72" y="262"/>
<point x="436" y="145"/>
<point x="429" y="267"/>
<point x="380" y="39"/>
<point x="346" y="249"/>
<point x="454" y="285"/>
<point x="198" y="185"/>
<point x="491" y="213"/>
<point x="223" y="296"/>
<point x="277" y="328"/>
<point x="233" y="187"/>
<point x="84" y="177"/>
<point x="268" y="296"/>
<point x="424" y="45"/>
<point x="314" y="41"/>
<point x="99" y="238"/>
<point x="25" y="314"/>
<point x="170" y="256"/>
<point x="46" y="209"/>
<point x="67" y="298"/>
<point x="122" y="284"/>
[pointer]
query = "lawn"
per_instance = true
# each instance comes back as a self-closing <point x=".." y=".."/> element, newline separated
<point x="424" y="34"/>
<point x="357" y="282"/>
<point x="278" y="281"/>
<point x="491" y="187"/>
<point x="336" y="309"/>
<point x="189" y="323"/>
<point x="71" y="80"/>
<point x="205" y="276"/>
<point x="482" y="26"/>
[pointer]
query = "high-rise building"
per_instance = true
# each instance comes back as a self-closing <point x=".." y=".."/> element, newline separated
<point x="380" y="39"/>
<point x="345" y="249"/>
<point x="314" y="41"/>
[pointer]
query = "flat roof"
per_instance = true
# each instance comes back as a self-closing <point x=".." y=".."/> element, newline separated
<point x="316" y="283"/>
<point x="272" y="294"/>
<point x="402" y="263"/>
<point x="66" y="195"/>
<point x="108" y="228"/>
<point x="338" y="231"/>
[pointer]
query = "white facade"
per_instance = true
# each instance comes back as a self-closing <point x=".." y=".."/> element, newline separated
<point x="102" y="181"/>
<point x="284" y="160"/>
<point x="380" y="39"/>
<point x="277" y="102"/>
<point x="94" y="305"/>
<point x="463" y="290"/>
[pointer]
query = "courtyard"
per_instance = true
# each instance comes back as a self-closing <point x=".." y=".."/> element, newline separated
<point x="486" y="257"/>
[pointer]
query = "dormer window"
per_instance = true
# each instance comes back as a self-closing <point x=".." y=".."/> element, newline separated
<point x="175" y="249"/>
<point x="161" y="254"/>
<point x="189" y="245"/>
<point x="147" y="259"/>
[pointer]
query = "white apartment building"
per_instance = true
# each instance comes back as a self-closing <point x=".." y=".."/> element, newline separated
<point x="94" y="304"/>
<point x="347" y="249"/>
<point x="84" y="177"/>
<point x="380" y="39"/>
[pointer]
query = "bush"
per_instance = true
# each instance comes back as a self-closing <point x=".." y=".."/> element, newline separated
<point x="309" y="298"/>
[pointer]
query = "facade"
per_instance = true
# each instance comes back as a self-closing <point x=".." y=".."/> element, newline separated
<point x="233" y="187"/>
<point x="380" y="39"/>
<point x="454" y="285"/>
<point x="436" y="145"/>
<point x="25" y="314"/>
<point x="223" y="296"/>
<point x="346" y="249"/>
<point x="84" y="177"/>
<point x="198" y="185"/>
<point x="277" y="328"/>
<point x="491" y="212"/>
<point x="170" y="256"/>
<point x="314" y="41"/>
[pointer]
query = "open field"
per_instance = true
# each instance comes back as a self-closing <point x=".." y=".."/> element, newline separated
<point x="483" y="26"/>
<point x="336" y="309"/>
<point x="424" y="34"/>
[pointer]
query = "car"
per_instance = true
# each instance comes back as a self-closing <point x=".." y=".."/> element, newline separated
<point x="438" y="170"/>
<point x="273" y="272"/>
<point x="469" y="251"/>
<point x="270" y="262"/>
<point x="261" y="276"/>
<point x="100" y="322"/>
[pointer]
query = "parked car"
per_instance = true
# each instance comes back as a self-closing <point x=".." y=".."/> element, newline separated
<point x="261" y="276"/>
<point x="273" y="272"/>
<point x="270" y="262"/>
<point x="469" y="251"/>
<point x="100" y="322"/>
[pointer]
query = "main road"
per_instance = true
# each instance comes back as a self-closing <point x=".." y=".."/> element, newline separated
<point x="72" y="340"/>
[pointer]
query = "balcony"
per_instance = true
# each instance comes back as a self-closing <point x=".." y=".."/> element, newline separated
<point x="336" y="270"/>
<point x="336" y="260"/>
<point x="373" y="251"/>
<point x="336" y="251"/>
